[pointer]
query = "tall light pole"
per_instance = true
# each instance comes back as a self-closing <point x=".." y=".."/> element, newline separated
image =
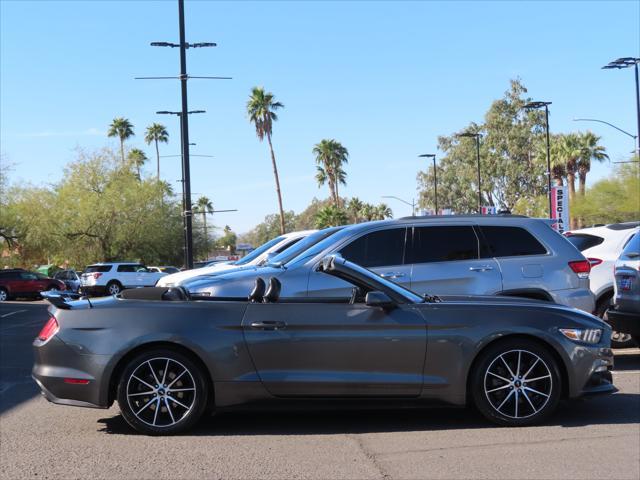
<point x="412" y="204"/>
<point x="626" y="62"/>
<point x="186" y="183"/>
<point x="535" y="106"/>
<point x="477" y="137"/>
<point x="435" y="177"/>
<point x="635" y="137"/>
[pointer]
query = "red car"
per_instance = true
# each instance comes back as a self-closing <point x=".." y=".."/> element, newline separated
<point x="21" y="283"/>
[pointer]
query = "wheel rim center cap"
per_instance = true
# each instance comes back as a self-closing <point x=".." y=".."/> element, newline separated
<point x="517" y="383"/>
<point x="161" y="392"/>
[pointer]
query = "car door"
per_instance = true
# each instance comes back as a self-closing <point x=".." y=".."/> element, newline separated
<point x="127" y="275"/>
<point x="145" y="277"/>
<point x="445" y="260"/>
<point x="336" y="349"/>
<point x="381" y="250"/>
<point x="28" y="283"/>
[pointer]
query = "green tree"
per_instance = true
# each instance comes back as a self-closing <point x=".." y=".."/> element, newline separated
<point x="589" y="150"/>
<point x="123" y="129"/>
<point x="204" y="207"/>
<point x="156" y="133"/>
<point x="331" y="155"/>
<point x="261" y="109"/>
<point x="228" y="240"/>
<point x="354" y="207"/>
<point x="269" y="228"/>
<point x="330" y="216"/>
<point x="137" y="158"/>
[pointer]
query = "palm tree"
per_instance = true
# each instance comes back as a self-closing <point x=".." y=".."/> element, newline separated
<point x="122" y="128"/>
<point x="330" y="216"/>
<point x="330" y="156"/>
<point x="137" y="158"/>
<point x="382" y="212"/>
<point x="568" y="154"/>
<point x="261" y="108"/>
<point x="354" y="207"/>
<point x="204" y="207"/>
<point x="589" y="150"/>
<point x="156" y="132"/>
<point x="368" y="212"/>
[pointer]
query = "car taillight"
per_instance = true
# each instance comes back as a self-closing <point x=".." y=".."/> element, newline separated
<point x="594" y="262"/>
<point x="97" y="275"/>
<point x="581" y="268"/>
<point x="49" y="330"/>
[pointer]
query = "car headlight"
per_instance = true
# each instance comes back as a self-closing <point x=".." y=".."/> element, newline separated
<point x="586" y="335"/>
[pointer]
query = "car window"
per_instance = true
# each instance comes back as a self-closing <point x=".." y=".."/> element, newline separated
<point x="582" y="241"/>
<point x="306" y="246"/>
<point x="60" y="276"/>
<point x="170" y="270"/>
<point x="127" y="268"/>
<point x="9" y="275"/>
<point x="286" y="245"/>
<point x="443" y="244"/>
<point x="632" y="248"/>
<point x="377" y="249"/>
<point x="97" y="268"/>
<point x="509" y="242"/>
<point x="142" y="268"/>
<point x="259" y="251"/>
<point x="28" y="276"/>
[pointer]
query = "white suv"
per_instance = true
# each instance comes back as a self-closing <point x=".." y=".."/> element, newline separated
<point x="602" y="246"/>
<point x="112" y="278"/>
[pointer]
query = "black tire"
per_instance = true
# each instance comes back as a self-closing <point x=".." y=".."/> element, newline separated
<point x="114" y="287"/>
<point x="511" y="401"/>
<point x="4" y="295"/>
<point x="163" y="408"/>
<point x="618" y="339"/>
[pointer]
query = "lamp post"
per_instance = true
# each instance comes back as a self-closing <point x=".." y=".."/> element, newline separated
<point x="535" y="106"/>
<point x="477" y="137"/>
<point x="627" y="62"/>
<point x="635" y="137"/>
<point x="435" y="177"/>
<point x="412" y="204"/>
<point x="186" y="180"/>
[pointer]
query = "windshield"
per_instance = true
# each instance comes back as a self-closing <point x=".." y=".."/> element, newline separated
<point x="302" y="246"/>
<point x="335" y="235"/>
<point x="259" y="251"/>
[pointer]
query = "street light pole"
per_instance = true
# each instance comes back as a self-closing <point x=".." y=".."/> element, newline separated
<point x="626" y="62"/>
<point x="412" y="204"/>
<point x="477" y="137"/>
<point x="535" y="106"/>
<point x="435" y="178"/>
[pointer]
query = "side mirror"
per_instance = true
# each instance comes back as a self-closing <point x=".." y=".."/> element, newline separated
<point x="378" y="299"/>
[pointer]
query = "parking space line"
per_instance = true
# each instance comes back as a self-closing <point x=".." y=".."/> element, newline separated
<point x="11" y="313"/>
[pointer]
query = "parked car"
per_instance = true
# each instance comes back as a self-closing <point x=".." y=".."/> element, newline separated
<point x="602" y="246"/>
<point x="471" y="255"/>
<point x="18" y="283"/>
<point x="164" y="269"/>
<point x="513" y="358"/>
<point x="70" y="278"/>
<point x="257" y="257"/>
<point x="624" y="316"/>
<point x="112" y="277"/>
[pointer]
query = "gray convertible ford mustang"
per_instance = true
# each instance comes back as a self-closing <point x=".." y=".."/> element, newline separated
<point x="169" y="358"/>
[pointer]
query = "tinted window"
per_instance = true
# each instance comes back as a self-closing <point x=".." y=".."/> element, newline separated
<point x="510" y="242"/>
<point x="9" y="275"/>
<point x="442" y="244"/>
<point x="128" y="268"/>
<point x="28" y="276"/>
<point x="97" y="268"/>
<point x="259" y="251"/>
<point x="582" y="241"/>
<point x="170" y="269"/>
<point x="377" y="249"/>
<point x="306" y="247"/>
<point x="632" y="247"/>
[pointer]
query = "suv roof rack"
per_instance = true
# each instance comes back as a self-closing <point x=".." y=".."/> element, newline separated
<point x="469" y="215"/>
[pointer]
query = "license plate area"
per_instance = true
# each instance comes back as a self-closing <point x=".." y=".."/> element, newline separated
<point x="625" y="283"/>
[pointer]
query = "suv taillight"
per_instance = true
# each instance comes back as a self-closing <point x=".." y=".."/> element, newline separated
<point x="594" y="261"/>
<point x="97" y="275"/>
<point x="49" y="330"/>
<point x="581" y="268"/>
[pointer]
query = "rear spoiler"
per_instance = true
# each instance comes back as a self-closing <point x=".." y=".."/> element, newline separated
<point x="61" y="299"/>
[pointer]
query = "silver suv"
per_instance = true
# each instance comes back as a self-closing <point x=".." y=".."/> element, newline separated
<point x="475" y="255"/>
<point x="625" y="314"/>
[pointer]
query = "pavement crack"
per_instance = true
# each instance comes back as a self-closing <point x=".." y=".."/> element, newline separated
<point x="371" y="456"/>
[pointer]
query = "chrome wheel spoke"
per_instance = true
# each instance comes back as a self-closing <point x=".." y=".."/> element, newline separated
<point x="155" y="415"/>
<point x="176" y="379"/>
<point x="499" y="388"/>
<point x="142" y="381"/>
<point x="145" y="406"/>
<point x="166" y="402"/>
<point x="519" y="357"/>
<point x="516" y="402"/>
<point x="507" y="365"/>
<point x="524" y="394"/>
<point x="141" y="393"/>
<point x="505" y="400"/>
<point x="164" y="374"/>
<point x="180" y="389"/>
<point x="538" y="378"/>
<point x="536" y="392"/>
<point x="153" y="373"/>
<point x="524" y="377"/>
<point x="171" y="399"/>
<point x="498" y="376"/>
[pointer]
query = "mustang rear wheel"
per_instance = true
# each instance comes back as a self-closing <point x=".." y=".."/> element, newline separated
<point x="516" y="382"/>
<point x="162" y="392"/>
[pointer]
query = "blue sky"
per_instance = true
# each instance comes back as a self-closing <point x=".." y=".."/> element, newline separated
<point x="383" y="78"/>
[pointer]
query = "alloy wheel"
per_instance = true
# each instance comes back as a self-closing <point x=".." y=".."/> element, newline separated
<point x="161" y="392"/>
<point x="3" y="295"/>
<point x="518" y="384"/>
<point x="114" y="289"/>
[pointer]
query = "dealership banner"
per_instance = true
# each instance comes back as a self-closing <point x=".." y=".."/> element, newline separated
<point x="488" y="210"/>
<point x="560" y="208"/>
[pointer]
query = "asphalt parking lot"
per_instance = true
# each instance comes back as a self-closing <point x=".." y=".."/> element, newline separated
<point x="596" y="438"/>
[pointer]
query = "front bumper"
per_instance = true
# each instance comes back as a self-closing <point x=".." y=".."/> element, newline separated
<point x="593" y="366"/>
<point x="624" y="322"/>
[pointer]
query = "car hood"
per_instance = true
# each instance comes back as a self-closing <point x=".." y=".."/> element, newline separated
<point x="180" y="277"/>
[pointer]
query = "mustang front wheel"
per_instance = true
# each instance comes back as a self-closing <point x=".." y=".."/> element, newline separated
<point x="516" y="382"/>
<point x="162" y="392"/>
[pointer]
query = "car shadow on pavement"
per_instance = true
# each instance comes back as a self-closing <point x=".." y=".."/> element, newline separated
<point x="627" y="361"/>
<point x="621" y="408"/>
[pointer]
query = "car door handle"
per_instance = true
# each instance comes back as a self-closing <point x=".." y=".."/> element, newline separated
<point x="269" y="325"/>
<point x="392" y="275"/>
<point x="481" y="268"/>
